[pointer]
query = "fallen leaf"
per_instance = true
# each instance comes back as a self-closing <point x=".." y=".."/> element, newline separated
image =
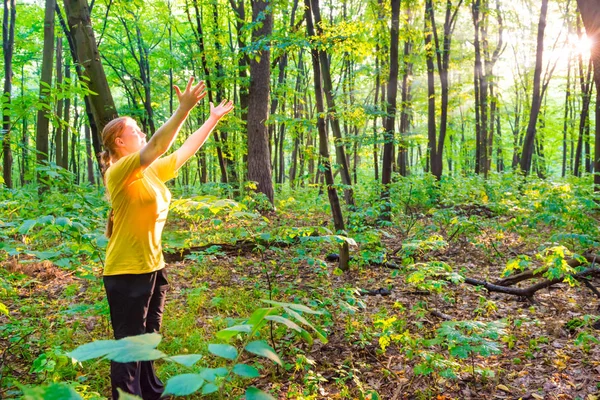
<point x="503" y="388"/>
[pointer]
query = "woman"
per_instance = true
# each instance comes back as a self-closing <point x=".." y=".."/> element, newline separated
<point x="134" y="275"/>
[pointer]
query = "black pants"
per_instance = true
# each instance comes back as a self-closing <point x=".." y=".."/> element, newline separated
<point x="136" y="305"/>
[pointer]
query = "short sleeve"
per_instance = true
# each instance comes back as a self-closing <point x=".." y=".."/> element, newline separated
<point x="123" y="172"/>
<point x="165" y="167"/>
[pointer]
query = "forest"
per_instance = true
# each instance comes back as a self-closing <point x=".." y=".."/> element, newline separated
<point x="403" y="203"/>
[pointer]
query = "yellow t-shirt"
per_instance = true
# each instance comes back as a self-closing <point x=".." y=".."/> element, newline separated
<point x="140" y="202"/>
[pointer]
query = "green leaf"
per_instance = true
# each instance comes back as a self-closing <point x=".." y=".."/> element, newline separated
<point x="285" y="321"/>
<point x="26" y="226"/>
<point x="247" y="371"/>
<point x="303" y="320"/>
<point x="127" y="396"/>
<point x="232" y="331"/>
<point x="294" y="306"/>
<point x="123" y="350"/>
<point x="186" y="359"/>
<point x="62" y="221"/>
<point x="259" y="315"/>
<point x="253" y="393"/>
<point x="461" y="351"/>
<point x="209" y="388"/>
<point x="183" y="385"/>
<point x="261" y="348"/>
<point x="210" y="374"/>
<point x="223" y="350"/>
<point x="56" y="391"/>
<point x="135" y="353"/>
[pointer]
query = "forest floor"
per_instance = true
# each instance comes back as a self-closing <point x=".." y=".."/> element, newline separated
<point x="385" y="344"/>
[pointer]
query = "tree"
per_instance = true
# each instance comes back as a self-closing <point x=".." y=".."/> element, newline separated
<point x="390" y="118"/>
<point x="8" y="42"/>
<point x="536" y="101"/>
<point x="43" y="122"/>
<point x="340" y="152"/>
<point x="590" y="14"/>
<point x="101" y="103"/>
<point x="259" y="160"/>
<point x="324" y="160"/>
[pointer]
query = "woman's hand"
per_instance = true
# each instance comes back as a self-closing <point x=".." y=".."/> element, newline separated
<point x="222" y="109"/>
<point x="192" y="94"/>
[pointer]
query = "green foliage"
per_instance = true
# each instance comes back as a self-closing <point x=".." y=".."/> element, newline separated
<point x="206" y="379"/>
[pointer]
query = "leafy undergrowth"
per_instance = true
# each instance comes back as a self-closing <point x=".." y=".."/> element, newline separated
<point x="400" y="324"/>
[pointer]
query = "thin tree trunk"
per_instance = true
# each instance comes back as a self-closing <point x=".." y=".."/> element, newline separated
<point x="340" y="151"/>
<point x="405" y="107"/>
<point x="43" y="122"/>
<point x="59" y="103"/>
<point x="334" y="202"/>
<point x="536" y="102"/>
<point x="429" y="54"/>
<point x="390" y="118"/>
<point x="66" y="117"/>
<point x="8" y="42"/>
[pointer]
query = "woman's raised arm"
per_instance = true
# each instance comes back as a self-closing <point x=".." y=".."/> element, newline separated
<point x="197" y="139"/>
<point x="163" y="138"/>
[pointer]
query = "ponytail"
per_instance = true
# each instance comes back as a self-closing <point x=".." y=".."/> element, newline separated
<point x="110" y="132"/>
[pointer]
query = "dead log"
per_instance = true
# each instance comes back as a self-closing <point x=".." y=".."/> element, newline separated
<point x="529" y="274"/>
<point x="528" y="292"/>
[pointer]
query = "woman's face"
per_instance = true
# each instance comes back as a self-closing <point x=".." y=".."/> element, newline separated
<point x="132" y="137"/>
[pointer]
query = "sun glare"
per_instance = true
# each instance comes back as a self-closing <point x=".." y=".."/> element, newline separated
<point x="582" y="45"/>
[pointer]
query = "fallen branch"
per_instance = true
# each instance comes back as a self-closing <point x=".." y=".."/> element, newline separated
<point x="529" y="274"/>
<point x="441" y="315"/>
<point x="530" y="291"/>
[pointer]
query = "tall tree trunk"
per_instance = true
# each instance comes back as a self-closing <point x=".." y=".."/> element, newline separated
<point x="390" y="118"/>
<point x="259" y="165"/>
<point x="585" y="82"/>
<point x="443" y="60"/>
<point x="102" y="104"/>
<point x="43" y="122"/>
<point x="334" y="202"/>
<point x="66" y="117"/>
<point x="481" y="90"/>
<point x="340" y="151"/>
<point x="590" y="13"/>
<point x="405" y="106"/>
<point x="243" y="60"/>
<point x="59" y="102"/>
<point x="8" y="42"/>
<point x="429" y="54"/>
<point x="536" y="101"/>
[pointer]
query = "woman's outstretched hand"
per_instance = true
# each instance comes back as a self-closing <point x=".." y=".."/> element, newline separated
<point x="192" y="94"/>
<point x="222" y="109"/>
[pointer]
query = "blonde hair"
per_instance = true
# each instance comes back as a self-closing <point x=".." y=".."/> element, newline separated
<point x="110" y="133"/>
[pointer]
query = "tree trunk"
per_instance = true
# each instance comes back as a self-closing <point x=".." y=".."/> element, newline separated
<point x="66" y="128"/>
<point x="259" y="165"/>
<point x="58" y="137"/>
<point x="101" y="104"/>
<point x="590" y="14"/>
<point x="429" y="54"/>
<point x="334" y="202"/>
<point x="43" y="122"/>
<point x="481" y="93"/>
<point x="405" y="106"/>
<point x="8" y="42"/>
<point x="340" y="151"/>
<point x="536" y="101"/>
<point x="390" y="118"/>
